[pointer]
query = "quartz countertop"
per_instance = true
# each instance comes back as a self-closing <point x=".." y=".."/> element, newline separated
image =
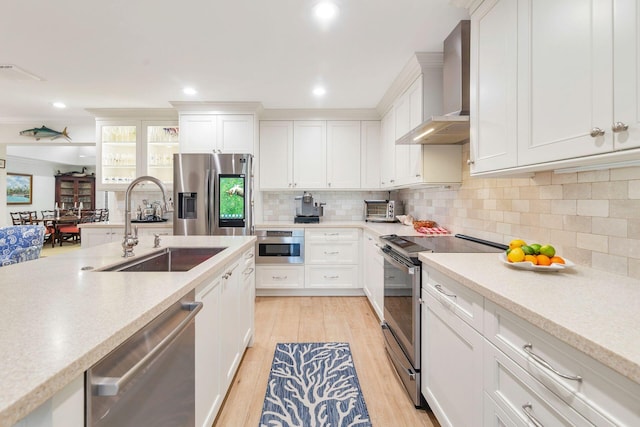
<point x="591" y="310"/>
<point x="58" y="320"/>
<point x="379" y="228"/>
<point x="108" y="224"/>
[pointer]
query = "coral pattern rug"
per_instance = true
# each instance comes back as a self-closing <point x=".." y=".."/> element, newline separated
<point x="313" y="385"/>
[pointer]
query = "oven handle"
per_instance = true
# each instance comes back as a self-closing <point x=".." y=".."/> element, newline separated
<point x="111" y="386"/>
<point x="401" y="266"/>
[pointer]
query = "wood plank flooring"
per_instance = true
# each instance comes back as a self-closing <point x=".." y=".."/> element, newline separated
<point x="320" y="319"/>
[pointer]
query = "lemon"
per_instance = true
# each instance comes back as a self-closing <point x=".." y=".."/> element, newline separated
<point x="536" y="248"/>
<point x="516" y="243"/>
<point x="516" y="255"/>
<point x="547" y="250"/>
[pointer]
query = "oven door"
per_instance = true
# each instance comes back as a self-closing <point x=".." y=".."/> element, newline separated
<point x="402" y="304"/>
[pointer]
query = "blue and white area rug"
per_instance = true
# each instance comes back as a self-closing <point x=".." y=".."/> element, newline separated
<point x="313" y="385"/>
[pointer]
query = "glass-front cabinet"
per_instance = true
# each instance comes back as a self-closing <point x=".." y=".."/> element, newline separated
<point x="128" y="149"/>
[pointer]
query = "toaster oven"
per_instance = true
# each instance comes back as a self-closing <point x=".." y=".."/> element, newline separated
<point x="382" y="210"/>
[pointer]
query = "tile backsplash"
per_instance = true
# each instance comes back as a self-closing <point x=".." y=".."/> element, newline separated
<point x="592" y="218"/>
<point x="340" y="206"/>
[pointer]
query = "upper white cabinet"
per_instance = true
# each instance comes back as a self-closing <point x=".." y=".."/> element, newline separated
<point x="554" y="84"/>
<point x="388" y="150"/>
<point x="343" y="154"/>
<point x="220" y="133"/>
<point x="318" y="154"/>
<point x="309" y="154"/>
<point x="370" y="154"/>
<point x="131" y="147"/>
<point x="408" y="115"/>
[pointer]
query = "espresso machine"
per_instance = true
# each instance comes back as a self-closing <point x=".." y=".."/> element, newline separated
<point x="308" y="212"/>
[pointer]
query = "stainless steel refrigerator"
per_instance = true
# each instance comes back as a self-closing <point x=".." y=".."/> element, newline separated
<point x="212" y="194"/>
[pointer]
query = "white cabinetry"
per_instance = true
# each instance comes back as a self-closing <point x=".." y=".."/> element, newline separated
<point x="64" y="409"/>
<point x="207" y="361"/>
<point x="373" y="280"/>
<point x="309" y="154"/>
<point x="224" y="328"/>
<point x="279" y="276"/>
<point x="332" y="257"/>
<point x="343" y="154"/>
<point x="219" y="133"/>
<point x="128" y="147"/>
<point x="90" y="236"/>
<point x="408" y="114"/>
<point x="451" y="360"/>
<point x="370" y="154"/>
<point x="566" y="105"/>
<point x="388" y="150"/>
<point x="276" y="154"/>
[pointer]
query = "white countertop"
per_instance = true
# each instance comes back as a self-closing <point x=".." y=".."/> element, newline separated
<point x="380" y="228"/>
<point x="58" y="320"/>
<point x="596" y="312"/>
<point x="108" y="224"/>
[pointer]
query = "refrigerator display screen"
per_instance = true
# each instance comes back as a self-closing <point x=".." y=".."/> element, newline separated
<point x="231" y="200"/>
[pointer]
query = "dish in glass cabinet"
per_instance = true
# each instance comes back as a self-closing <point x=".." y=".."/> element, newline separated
<point x="528" y="265"/>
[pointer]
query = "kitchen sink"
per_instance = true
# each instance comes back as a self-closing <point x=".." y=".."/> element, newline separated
<point x="168" y="259"/>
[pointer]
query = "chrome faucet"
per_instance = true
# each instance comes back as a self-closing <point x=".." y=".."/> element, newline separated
<point x="130" y="240"/>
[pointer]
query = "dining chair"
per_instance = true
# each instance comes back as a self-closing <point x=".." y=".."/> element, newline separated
<point x="49" y="225"/>
<point x="15" y="218"/>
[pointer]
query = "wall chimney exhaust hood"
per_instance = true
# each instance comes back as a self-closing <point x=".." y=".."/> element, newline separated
<point x="452" y="126"/>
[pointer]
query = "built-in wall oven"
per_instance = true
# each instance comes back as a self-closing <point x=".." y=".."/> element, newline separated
<point x="280" y="246"/>
<point x="402" y="284"/>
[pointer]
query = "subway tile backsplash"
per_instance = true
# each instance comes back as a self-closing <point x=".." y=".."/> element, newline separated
<point x="592" y="218"/>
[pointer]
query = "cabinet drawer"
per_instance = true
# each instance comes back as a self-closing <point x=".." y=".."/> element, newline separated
<point x="276" y="277"/>
<point x="331" y="253"/>
<point x="248" y="258"/>
<point x="331" y="234"/>
<point x="494" y="416"/>
<point x="603" y="396"/>
<point x="465" y="303"/>
<point x="335" y="276"/>
<point x="523" y="398"/>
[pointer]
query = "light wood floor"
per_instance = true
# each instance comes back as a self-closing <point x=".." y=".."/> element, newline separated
<point x="320" y="319"/>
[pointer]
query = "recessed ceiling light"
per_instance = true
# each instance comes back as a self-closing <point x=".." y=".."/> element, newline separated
<point x="189" y="91"/>
<point x="325" y="11"/>
<point x="59" y="105"/>
<point x="319" y="91"/>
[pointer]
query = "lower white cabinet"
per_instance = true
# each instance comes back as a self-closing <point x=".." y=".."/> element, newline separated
<point x="332" y="257"/>
<point x="224" y="328"/>
<point x="279" y="276"/>
<point x="90" y="236"/>
<point x="63" y="409"/>
<point x="373" y="280"/>
<point x="207" y="362"/>
<point x="451" y="365"/>
<point x="494" y="416"/>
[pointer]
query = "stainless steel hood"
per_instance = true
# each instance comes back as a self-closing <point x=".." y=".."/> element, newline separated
<point x="452" y="126"/>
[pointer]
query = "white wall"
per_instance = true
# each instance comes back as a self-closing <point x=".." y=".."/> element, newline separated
<point x="3" y="185"/>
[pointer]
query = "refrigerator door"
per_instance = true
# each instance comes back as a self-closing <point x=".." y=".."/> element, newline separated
<point x="193" y="184"/>
<point x="232" y="200"/>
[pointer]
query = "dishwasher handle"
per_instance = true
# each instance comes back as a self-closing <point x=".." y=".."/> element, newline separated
<point x="110" y="386"/>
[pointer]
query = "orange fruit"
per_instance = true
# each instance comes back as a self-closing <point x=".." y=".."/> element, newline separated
<point x="557" y="260"/>
<point x="543" y="260"/>
<point x="531" y="258"/>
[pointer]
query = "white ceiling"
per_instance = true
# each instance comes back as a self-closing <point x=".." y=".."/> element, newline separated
<point x="141" y="53"/>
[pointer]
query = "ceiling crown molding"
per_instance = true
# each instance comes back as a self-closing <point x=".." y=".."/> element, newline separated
<point x="412" y="70"/>
<point x="214" y="107"/>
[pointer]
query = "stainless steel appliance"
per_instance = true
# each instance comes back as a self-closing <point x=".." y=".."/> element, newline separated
<point x="149" y="380"/>
<point x="402" y="282"/>
<point x="280" y="246"/>
<point x="308" y="212"/>
<point x="212" y="194"/>
<point x="382" y="210"/>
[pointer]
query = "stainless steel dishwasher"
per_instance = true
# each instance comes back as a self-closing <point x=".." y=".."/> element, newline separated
<point x="149" y="380"/>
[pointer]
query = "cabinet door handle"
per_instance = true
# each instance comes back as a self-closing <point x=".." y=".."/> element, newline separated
<point x="248" y="271"/>
<point x="331" y="253"/>
<point x="527" y="408"/>
<point x="596" y="132"/>
<point x="528" y="348"/>
<point x="331" y="234"/>
<point x="470" y="162"/>
<point x="439" y="289"/>
<point x="279" y="277"/>
<point x="619" y="127"/>
<point x="331" y="277"/>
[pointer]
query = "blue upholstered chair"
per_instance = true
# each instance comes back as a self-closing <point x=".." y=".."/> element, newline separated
<point x="19" y="243"/>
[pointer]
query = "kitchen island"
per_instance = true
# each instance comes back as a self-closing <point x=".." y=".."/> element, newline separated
<point x="60" y="316"/>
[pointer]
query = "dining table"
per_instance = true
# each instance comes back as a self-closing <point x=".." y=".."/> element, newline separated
<point x="56" y="222"/>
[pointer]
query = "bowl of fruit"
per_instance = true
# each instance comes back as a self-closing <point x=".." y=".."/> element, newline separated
<point x="534" y="257"/>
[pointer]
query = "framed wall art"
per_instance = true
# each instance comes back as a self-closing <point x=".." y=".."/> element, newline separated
<point x="19" y="189"/>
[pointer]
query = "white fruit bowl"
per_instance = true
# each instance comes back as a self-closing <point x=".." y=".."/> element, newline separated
<point x="528" y="265"/>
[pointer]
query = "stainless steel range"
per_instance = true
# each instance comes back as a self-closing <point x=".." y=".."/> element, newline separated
<point x="402" y="282"/>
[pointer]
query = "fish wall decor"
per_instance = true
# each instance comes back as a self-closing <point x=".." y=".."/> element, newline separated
<point x="45" y="132"/>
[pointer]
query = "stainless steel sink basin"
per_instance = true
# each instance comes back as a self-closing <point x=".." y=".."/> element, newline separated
<point x="167" y="259"/>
